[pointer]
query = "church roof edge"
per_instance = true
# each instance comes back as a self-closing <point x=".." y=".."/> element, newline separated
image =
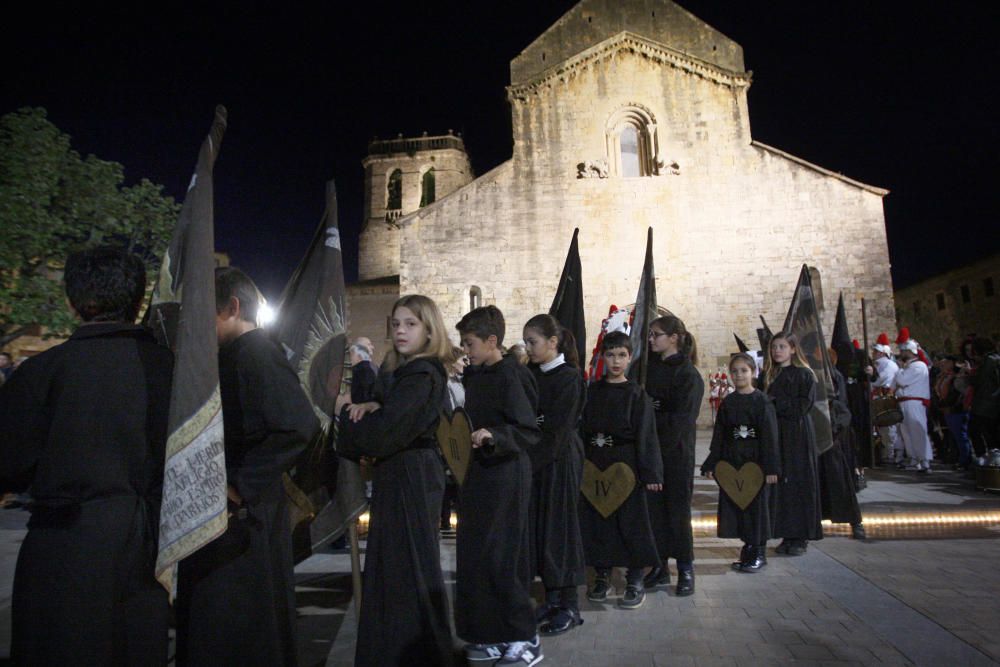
<point x="882" y="192"/>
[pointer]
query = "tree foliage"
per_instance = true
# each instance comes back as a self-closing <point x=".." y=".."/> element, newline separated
<point x="53" y="201"/>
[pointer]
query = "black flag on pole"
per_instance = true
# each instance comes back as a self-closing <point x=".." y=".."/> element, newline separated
<point x="311" y="329"/>
<point x="841" y="342"/>
<point x="567" y="306"/>
<point x="182" y="315"/>
<point x="803" y="321"/>
<point x="740" y="344"/>
<point x="644" y="313"/>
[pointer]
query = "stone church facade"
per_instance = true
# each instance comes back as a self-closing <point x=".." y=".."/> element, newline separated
<point x="628" y="115"/>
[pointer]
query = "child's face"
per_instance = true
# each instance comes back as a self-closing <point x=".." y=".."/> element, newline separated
<point x="742" y="374"/>
<point x="661" y="342"/>
<point x="616" y="360"/>
<point x="409" y="334"/>
<point x="539" y="348"/>
<point x="478" y="350"/>
<point x="781" y="351"/>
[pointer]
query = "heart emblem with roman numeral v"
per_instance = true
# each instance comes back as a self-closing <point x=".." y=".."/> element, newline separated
<point x="454" y="436"/>
<point x="742" y="485"/>
<point x="607" y="489"/>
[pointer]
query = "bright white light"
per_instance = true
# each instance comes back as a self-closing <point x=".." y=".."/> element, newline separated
<point x="265" y="315"/>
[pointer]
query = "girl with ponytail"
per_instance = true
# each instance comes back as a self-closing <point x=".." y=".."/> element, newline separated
<point x="557" y="465"/>
<point x="676" y="387"/>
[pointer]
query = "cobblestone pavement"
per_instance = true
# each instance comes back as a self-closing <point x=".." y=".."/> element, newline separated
<point x="924" y="594"/>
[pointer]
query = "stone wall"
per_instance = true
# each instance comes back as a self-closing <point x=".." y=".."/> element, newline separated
<point x="368" y="306"/>
<point x="940" y="313"/>
<point x="733" y="222"/>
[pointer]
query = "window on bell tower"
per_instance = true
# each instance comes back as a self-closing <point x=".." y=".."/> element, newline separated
<point x="427" y="194"/>
<point x="394" y="191"/>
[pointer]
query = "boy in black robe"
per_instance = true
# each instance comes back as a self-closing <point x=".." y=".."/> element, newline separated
<point x="85" y="425"/>
<point x="235" y="597"/>
<point x="493" y="606"/>
<point x="619" y="427"/>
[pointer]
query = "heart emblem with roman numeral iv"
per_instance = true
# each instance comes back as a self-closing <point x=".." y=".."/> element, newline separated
<point x="607" y="489"/>
<point x="742" y="485"/>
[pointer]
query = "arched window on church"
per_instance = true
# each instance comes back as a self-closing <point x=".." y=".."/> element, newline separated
<point x="427" y="194"/>
<point x="475" y="297"/>
<point x="394" y="191"/>
<point x="632" y="142"/>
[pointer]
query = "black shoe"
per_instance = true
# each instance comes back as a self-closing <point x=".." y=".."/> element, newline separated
<point x="599" y="592"/>
<point x="858" y="531"/>
<point x="685" y="583"/>
<point x="560" y="621"/>
<point x="744" y="557"/>
<point x="544" y="611"/>
<point x="756" y="562"/>
<point x="798" y="548"/>
<point x="633" y="598"/>
<point x="658" y="576"/>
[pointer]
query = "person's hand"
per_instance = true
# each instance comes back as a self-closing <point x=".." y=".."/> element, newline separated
<point x="233" y="495"/>
<point x="480" y="436"/>
<point x="869" y="370"/>
<point x="771" y="479"/>
<point x="358" y="410"/>
<point x="654" y="487"/>
<point x="709" y="474"/>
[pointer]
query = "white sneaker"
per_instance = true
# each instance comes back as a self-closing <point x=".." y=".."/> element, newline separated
<point x="523" y="654"/>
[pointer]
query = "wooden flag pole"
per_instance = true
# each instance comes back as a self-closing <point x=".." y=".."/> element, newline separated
<point x="864" y="331"/>
<point x="352" y="536"/>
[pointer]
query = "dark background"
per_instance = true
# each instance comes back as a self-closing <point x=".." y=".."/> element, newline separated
<point x="889" y="93"/>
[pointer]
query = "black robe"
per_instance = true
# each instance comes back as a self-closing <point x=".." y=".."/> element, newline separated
<point x="236" y="596"/>
<point x="492" y="599"/>
<point x="838" y="498"/>
<point x="85" y="425"/>
<point x="796" y="508"/>
<point x="746" y="430"/>
<point x="557" y="461"/>
<point x="676" y="388"/>
<point x="618" y="426"/>
<point x="404" y="606"/>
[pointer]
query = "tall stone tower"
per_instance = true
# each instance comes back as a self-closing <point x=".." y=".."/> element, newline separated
<point x="403" y="175"/>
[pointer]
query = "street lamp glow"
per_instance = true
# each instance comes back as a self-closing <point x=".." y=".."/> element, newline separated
<point x="265" y="315"/>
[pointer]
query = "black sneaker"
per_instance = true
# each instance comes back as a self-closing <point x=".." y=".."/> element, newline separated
<point x="798" y="548"/>
<point x="599" y="592"/>
<point x="685" y="583"/>
<point x="633" y="598"/>
<point x="755" y="561"/>
<point x="658" y="576"/>
<point x="544" y="611"/>
<point x="744" y="557"/>
<point x="560" y="621"/>
<point x="484" y="652"/>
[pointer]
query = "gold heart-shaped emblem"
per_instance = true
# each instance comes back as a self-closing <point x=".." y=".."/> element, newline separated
<point x="454" y="436"/>
<point x="742" y="485"/>
<point x="607" y="489"/>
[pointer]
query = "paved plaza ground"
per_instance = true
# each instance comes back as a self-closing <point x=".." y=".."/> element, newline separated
<point x="923" y="594"/>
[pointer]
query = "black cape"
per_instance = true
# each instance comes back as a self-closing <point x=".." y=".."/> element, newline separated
<point x="676" y="388"/>
<point x="746" y="430"/>
<point x="404" y="607"/>
<point x="838" y="498"/>
<point x="492" y="599"/>
<point x="556" y="546"/>
<point x="618" y="426"/>
<point x="85" y="425"/>
<point x="235" y="597"/>
<point x="796" y="495"/>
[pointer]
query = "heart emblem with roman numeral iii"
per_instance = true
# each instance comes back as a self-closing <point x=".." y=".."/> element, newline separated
<point x="454" y="436"/>
<point x="607" y="489"/>
<point x="742" y="485"/>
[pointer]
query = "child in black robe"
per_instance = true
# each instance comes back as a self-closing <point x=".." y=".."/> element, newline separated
<point x="618" y="427"/>
<point x="493" y="608"/>
<point x="404" y="606"/>
<point x="746" y="431"/>
<point x="792" y="385"/>
<point x="557" y="464"/>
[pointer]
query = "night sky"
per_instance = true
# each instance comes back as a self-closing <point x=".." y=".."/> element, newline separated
<point x="889" y="93"/>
